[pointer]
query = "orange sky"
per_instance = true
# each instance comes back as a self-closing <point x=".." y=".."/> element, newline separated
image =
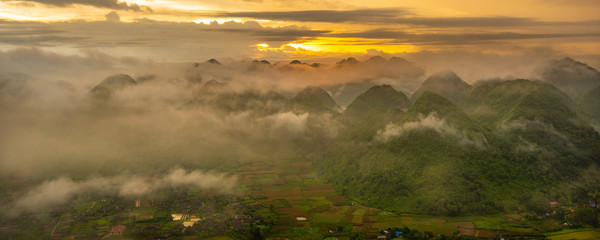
<point x="308" y="29"/>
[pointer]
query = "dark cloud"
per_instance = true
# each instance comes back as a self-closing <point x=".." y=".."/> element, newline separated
<point x="467" y="21"/>
<point x="150" y="36"/>
<point x="459" y="38"/>
<point x="186" y="40"/>
<point x="277" y="34"/>
<point x="395" y="16"/>
<point x="360" y="15"/>
<point x="110" y="4"/>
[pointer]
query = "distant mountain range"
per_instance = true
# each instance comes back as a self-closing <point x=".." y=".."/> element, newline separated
<point x="572" y="77"/>
<point x="445" y="83"/>
<point x="111" y="84"/>
<point x="451" y="149"/>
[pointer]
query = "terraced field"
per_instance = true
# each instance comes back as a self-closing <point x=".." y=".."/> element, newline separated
<point x="295" y="193"/>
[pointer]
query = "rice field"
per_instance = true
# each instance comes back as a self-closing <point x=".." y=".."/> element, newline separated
<point x="579" y="234"/>
<point x="295" y="191"/>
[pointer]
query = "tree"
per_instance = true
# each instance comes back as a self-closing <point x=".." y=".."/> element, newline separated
<point x="586" y="215"/>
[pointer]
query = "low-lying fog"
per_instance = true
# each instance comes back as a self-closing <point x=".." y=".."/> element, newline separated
<point x="63" y="140"/>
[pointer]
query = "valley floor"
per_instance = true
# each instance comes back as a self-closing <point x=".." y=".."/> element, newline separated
<point x="296" y="193"/>
<point x="286" y="200"/>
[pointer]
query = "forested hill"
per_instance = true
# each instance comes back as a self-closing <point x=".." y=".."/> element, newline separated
<point x="507" y="144"/>
<point x="451" y="149"/>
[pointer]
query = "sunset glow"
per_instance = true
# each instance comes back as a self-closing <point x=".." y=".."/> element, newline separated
<point x="236" y="28"/>
<point x="352" y="45"/>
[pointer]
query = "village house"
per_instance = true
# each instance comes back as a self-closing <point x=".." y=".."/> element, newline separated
<point x="117" y="231"/>
<point x="144" y="203"/>
<point x="178" y="216"/>
<point x="193" y="220"/>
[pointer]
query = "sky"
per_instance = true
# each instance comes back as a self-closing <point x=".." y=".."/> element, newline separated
<point x="309" y="30"/>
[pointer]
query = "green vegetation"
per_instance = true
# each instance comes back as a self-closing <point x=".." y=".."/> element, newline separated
<point x="504" y="139"/>
<point x="506" y="158"/>
<point x="270" y="209"/>
<point x="305" y="233"/>
<point x="589" y="106"/>
<point x="313" y="99"/>
<point x="580" y="234"/>
<point x="377" y="100"/>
